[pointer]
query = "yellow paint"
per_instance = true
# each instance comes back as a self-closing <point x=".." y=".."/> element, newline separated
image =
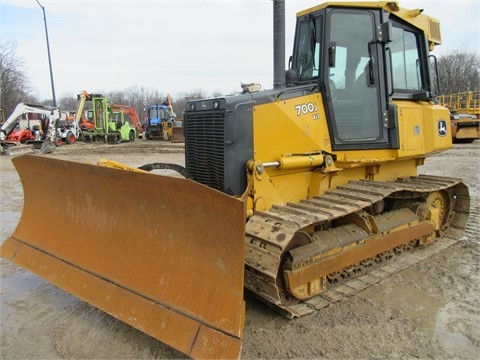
<point x="429" y="25"/>
<point x="291" y="139"/>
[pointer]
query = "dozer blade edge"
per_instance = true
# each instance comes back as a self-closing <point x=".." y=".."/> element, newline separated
<point x="18" y="150"/>
<point x="164" y="255"/>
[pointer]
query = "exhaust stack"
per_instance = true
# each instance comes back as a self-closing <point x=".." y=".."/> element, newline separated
<point x="278" y="43"/>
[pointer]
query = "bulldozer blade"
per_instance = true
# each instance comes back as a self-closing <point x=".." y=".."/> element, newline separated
<point x="177" y="134"/>
<point x="163" y="254"/>
<point x="18" y="150"/>
<point x="47" y="147"/>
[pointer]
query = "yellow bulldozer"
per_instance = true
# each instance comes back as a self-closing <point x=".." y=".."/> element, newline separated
<point x="298" y="194"/>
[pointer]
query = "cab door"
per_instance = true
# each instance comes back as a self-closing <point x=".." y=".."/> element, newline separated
<point x="358" y="106"/>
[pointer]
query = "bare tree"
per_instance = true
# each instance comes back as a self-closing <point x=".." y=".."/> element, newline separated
<point x="68" y="102"/>
<point x="181" y="99"/>
<point x="14" y="84"/>
<point x="138" y="97"/>
<point x="178" y="102"/>
<point x="459" y="71"/>
<point x="119" y="97"/>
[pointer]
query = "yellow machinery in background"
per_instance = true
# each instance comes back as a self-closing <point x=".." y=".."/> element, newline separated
<point x="296" y="193"/>
<point x="464" y="115"/>
<point x="467" y="102"/>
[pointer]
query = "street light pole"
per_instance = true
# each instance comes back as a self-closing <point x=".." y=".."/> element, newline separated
<point x="49" y="58"/>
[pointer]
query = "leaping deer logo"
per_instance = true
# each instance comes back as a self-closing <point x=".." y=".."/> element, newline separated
<point x="442" y="127"/>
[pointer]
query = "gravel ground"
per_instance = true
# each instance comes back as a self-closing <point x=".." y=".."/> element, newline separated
<point x="430" y="310"/>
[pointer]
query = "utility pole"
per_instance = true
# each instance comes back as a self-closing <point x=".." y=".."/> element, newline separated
<point x="49" y="58"/>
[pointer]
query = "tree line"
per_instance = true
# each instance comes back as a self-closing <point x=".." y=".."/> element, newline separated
<point x="140" y="98"/>
<point x="458" y="71"/>
<point x="15" y="88"/>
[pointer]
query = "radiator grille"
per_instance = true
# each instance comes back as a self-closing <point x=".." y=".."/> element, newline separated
<point x="204" y="149"/>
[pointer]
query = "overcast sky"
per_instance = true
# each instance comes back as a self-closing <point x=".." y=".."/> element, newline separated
<point x="174" y="46"/>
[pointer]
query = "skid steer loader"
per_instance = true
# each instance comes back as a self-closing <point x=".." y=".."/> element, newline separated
<point x="300" y="194"/>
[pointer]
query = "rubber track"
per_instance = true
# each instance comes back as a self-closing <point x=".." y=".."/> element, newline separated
<point x="354" y="196"/>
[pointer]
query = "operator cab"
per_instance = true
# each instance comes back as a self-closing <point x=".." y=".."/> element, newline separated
<point x="363" y="59"/>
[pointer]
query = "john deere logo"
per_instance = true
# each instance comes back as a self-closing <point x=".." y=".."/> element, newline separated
<point x="442" y="127"/>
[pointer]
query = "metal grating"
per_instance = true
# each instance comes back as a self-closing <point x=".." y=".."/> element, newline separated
<point x="204" y="150"/>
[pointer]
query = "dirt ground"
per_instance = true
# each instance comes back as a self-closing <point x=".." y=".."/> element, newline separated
<point x="430" y="310"/>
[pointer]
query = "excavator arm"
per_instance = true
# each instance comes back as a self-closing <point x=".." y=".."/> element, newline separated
<point x="170" y="105"/>
<point x="82" y="98"/>
<point x="53" y="114"/>
<point x="21" y="109"/>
